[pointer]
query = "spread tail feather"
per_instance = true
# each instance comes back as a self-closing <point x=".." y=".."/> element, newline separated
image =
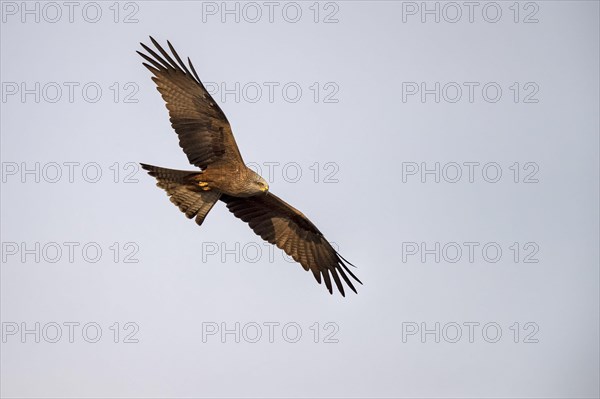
<point x="183" y="191"/>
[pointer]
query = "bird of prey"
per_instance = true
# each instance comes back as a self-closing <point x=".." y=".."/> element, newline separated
<point x="206" y="138"/>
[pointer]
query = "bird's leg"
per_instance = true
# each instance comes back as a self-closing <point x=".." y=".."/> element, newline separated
<point x="202" y="182"/>
<point x="204" y="185"/>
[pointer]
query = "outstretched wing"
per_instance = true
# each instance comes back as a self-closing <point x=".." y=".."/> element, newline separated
<point x="204" y="132"/>
<point x="281" y="224"/>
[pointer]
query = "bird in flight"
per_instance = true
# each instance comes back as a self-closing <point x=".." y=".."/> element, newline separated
<point x="206" y="138"/>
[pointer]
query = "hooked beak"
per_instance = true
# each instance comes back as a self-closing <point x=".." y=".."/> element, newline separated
<point x="265" y="189"/>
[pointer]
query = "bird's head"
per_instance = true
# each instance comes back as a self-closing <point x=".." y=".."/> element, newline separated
<point x="260" y="184"/>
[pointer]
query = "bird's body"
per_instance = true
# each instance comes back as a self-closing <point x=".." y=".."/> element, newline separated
<point x="206" y="137"/>
<point x="234" y="180"/>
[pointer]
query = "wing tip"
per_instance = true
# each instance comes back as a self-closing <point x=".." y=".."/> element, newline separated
<point x="154" y="41"/>
<point x="166" y="62"/>
<point x="151" y="169"/>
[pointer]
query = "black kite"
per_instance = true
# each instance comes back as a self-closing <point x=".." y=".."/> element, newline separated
<point x="206" y="138"/>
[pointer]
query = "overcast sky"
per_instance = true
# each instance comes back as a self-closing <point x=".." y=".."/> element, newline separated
<point x="450" y="151"/>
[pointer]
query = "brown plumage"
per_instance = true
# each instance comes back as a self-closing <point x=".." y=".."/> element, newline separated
<point x="206" y="138"/>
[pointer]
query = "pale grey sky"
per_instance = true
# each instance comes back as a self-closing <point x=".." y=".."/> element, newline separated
<point x="339" y="110"/>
